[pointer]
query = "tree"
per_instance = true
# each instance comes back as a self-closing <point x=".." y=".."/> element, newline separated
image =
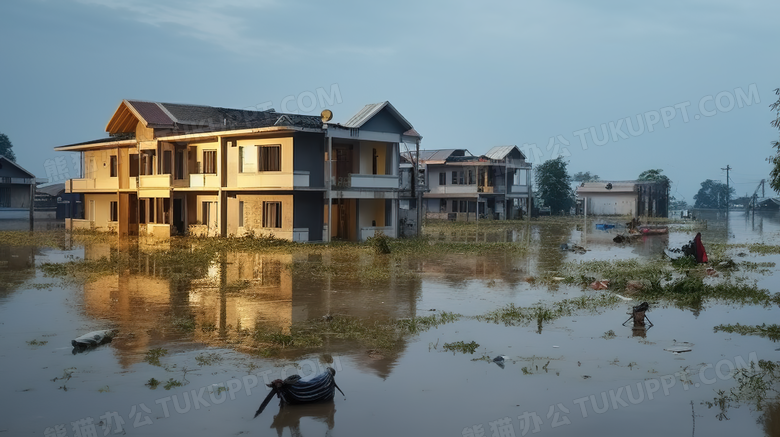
<point x="584" y="177"/>
<point x="6" y="148"/>
<point x="554" y="185"/>
<point x="712" y="194"/>
<point x="654" y="175"/>
<point x="774" y="175"/>
<point x="677" y="204"/>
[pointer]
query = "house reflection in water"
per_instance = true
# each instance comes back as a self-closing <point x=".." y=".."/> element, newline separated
<point x="16" y="266"/>
<point x="151" y="308"/>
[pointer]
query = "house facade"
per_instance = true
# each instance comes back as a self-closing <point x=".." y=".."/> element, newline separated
<point x="206" y="171"/>
<point x="460" y="185"/>
<point x="632" y="198"/>
<point x="17" y="190"/>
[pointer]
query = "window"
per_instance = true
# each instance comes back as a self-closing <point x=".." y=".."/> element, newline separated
<point x="442" y="178"/>
<point x="240" y="214"/>
<point x="454" y="178"/>
<point x="207" y="216"/>
<point x="134" y="165"/>
<point x="269" y="158"/>
<point x="179" y="173"/>
<point x="167" y="155"/>
<point x="272" y="214"/>
<point x="442" y="205"/>
<point x="454" y="204"/>
<point x="210" y="161"/>
<point x="114" y="214"/>
<point x="114" y="166"/>
<point x="461" y="181"/>
<point x="471" y="179"/>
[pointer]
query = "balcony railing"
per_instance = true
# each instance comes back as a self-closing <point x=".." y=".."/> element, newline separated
<point x="91" y="184"/>
<point x="366" y="181"/>
<point x="155" y="181"/>
<point x="203" y="180"/>
<point x="275" y="179"/>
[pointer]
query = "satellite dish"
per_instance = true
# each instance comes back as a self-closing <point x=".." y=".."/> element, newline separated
<point x="326" y="115"/>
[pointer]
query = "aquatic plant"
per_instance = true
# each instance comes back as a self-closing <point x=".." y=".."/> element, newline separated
<point x="153" y="356"/>
<point x="511" y="315"/>
<point x="171" y="383"/>
<point x="756" y="385"/>
<point x="208" y="359"/>
<point x="763" y="330"/>
<point x="460" y="346"/>
<point x="152" y="383"/>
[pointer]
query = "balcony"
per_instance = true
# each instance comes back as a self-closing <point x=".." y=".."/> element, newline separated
<point x="518" y="189"/>
<point x="203" y="180"/>
<point x="91" y="185"/>
<point x="155" y="181"/>
<point x="367" y="182"/>
<point x="298" y="179"/>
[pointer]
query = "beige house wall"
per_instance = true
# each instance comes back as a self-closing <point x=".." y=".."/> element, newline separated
<point x="372" y="210"/>
<point x="253" y="215"/>
<point x="102" y="212"/>
<point x="199" y="148"/>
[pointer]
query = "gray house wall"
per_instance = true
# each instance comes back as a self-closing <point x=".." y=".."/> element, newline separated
<point x="309" y="213"/>
<point x="308" y="155"/>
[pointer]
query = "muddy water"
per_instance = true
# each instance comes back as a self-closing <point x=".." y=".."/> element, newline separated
<point x="568" y="378"/>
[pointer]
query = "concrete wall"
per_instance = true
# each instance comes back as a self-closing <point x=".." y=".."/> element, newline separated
<point x="18" y="196"/>
<point x="307" y="214"/>
<point x="366" y="157"/>
<point x="102" y="211"/>
<point x="612" y="204"/>
<point x="309" y="155"/>
<point x="250" y="151"/>
<point x="371" y="209"/>
<point x="97" y="164"/>
<point x="253" y="214"/>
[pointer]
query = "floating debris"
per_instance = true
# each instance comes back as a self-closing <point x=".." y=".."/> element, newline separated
<point x="92" y="339"/>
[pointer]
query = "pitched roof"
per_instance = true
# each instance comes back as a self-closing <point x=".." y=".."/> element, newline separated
<point x="370" y="110"/>
<point x="5" y="161"/>
<point x="442" y="155"/>
<point x="192" y="118"/>
<point x="500" y="152"/>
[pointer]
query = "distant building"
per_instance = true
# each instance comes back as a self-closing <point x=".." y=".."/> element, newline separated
<point x="459" y="185"/>
<point x="633" y="198"/>
<point x="17" y="190"/>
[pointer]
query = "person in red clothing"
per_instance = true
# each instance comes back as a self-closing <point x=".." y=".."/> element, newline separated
<point x="698" y="249"/>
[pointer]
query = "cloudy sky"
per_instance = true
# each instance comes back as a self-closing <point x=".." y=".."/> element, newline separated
<point x="616" y="87"/>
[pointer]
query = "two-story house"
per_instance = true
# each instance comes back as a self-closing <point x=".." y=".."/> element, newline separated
<point x="200" y="170"/>
<point x="460" y="185"/>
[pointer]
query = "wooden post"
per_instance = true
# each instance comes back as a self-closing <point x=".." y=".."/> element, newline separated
<point x="32" y="205"/>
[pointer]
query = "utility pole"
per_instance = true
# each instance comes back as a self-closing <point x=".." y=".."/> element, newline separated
<point x="728" y="195"/>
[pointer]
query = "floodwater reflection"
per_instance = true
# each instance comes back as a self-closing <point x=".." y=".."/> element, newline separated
<point x="289" y="417"/>
<point x="237" y="292"/>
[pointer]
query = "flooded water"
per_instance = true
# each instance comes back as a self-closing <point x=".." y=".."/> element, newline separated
<point x="567" y="377"/>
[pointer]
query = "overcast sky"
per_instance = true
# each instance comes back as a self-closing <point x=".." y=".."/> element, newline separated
<point x="617" y="88"/>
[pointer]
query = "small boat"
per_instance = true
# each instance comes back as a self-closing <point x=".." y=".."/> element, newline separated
<point x="653" y="230"/>
<point x="294" y="390"/>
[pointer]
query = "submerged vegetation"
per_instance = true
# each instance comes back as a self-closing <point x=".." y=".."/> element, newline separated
<point x="756" y="386"/>
<point x="770" y="331"/>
